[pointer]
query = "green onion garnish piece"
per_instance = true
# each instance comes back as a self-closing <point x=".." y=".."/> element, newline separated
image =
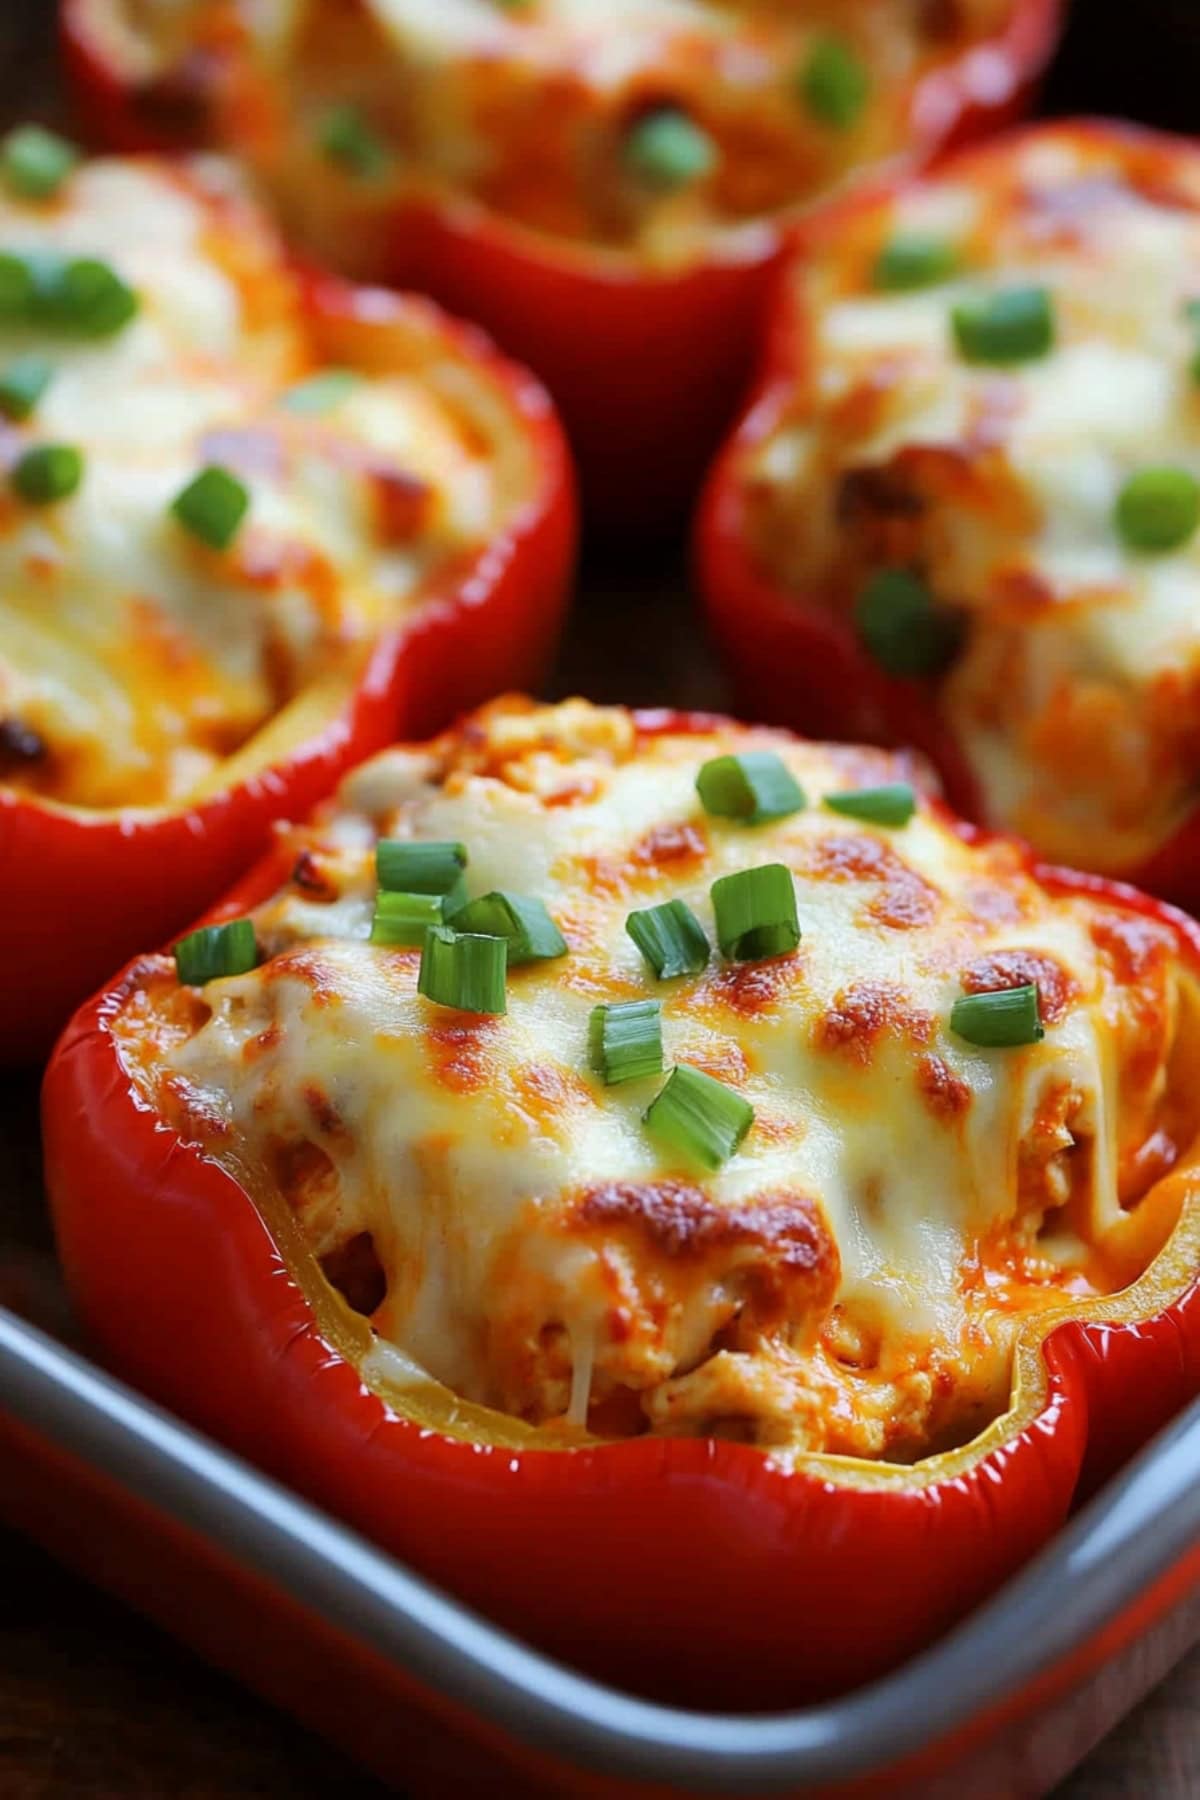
<point x="625" y="1040"/>
<point x="671" y="938"/>
<point x="216" y="950"/>
<point x="212" y="507"/>
<point x="22" y="384"/>
<point x="523" y="923"/>
<point x="754" y="787"/>
<point x="48" y="472"/>
<point x="1000" y="1020"/>
<point x="902" y="627"/>
<point x="1158" y="509"/>
<point x="914" y="259"/>
<point x="756" y="913"/>
<point x="85" y="295"/>
<point x="401" y="920"/>
<point x="17" y="287"/>
<point x="1013" y="325"/>
<point x="464" y="970"/>
<point x="410" y="866"/>
<point x="321" y="392"/>
<point x="701" y="1117"/>
<point x="35" y="162"/>
<point x="893" y="804"/>
<point x="834" y="83"/>
<point x="349" y="141"/>
<point x="667" y="150"/>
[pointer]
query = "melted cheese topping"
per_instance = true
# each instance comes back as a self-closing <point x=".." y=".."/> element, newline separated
<point x="1076" y="694"/>
<point x="133" y="658"/>
<point x="851" y="1279"/>
<point x="528" y="107"/>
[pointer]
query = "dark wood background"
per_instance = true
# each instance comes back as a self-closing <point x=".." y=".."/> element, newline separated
<point x="94" y="1702"/>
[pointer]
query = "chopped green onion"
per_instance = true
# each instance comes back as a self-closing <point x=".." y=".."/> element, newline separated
<point x="1013" y="325"/>
<point x="17" y="287"/>
<point x="756" y="913"/>
<point x="35" y="162"/>
<point x="1158" y="509"/>
<point x="902" y="627"/>
<point x="893" y="804"/>
<point x="212" y="507"/>
<point x="667" y="150"/>
<point x="523" y="923"/>
<point x="701" y="1117"/>
<point x="349" y="141"/>
<point x="321" y="392"/>
<point x="22" y="385"/>
<point x="914" y="259"/>
<point x="464" y="970"/>
<point x="671" y="938"/>
<point x="48" y="472"/>
<point x="401" y="920"/>
<point x="755" y="786"/>
<point x="1000" y="1020"/>
<point x="412" y="866"/>
<point x="834" y="83"/>
<point x="216" y="950"/>
<point x="625" y="1040"/>
<point x="84" y="295"/>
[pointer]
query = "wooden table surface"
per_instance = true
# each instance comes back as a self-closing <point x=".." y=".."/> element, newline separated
<point x="93" y="1701"/>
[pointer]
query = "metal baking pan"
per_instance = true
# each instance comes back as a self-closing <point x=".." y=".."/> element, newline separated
<point x="430" y="1695"/>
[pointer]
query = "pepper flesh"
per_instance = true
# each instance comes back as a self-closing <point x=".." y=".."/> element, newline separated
<point x="787" y="651"/>
<point x="486" y="624"/>
<point x="210" y="1303"/>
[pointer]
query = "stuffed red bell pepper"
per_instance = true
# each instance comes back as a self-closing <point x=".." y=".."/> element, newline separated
<point x="251" y="522"/>
<point x="607" y="189"/>
<point x="962" y="510"/>
<point x="669" y="1181"/>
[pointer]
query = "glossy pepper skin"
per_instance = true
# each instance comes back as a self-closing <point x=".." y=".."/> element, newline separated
<point x="793" y="659"/>
<point x="645" y="367"/>
<point x="83" y="888"/>
<point x="697" y="1570"/>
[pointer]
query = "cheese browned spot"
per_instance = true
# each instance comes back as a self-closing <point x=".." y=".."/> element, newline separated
<point x="529" y="109"/>
<point x="134" y="659"/>
<point x="1075" y="690"/>
<point x="851" y="1279"/>
<point x="864" y="1013"/>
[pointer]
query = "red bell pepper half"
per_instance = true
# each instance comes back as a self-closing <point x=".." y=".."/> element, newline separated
<point x="83" y="888"/>
<point x="700" y="1570"/>
<point x="646" y="367"/>
<point x="799" y="662"/>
